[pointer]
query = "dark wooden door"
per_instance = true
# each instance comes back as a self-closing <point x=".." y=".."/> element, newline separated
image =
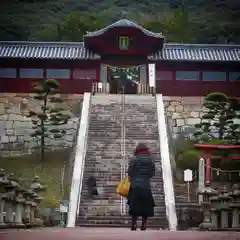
<point x="114" y="86"/>
<point x="130" y="87"/>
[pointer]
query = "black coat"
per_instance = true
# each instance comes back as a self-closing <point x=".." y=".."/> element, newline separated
<point x="141" y="169"/>
<point x="140" y="198"/>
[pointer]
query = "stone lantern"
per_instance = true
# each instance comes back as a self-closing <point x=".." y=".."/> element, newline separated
<point x="28" y="204"/>
<point x="215" y="204"/>
<point x="3" y="197"/>
<point x="33" y="209"/>
<point x="224" y="206"/>
<point x="20" y="200"/>
<point x="235" y="206"/>
<point x="37" y="187"/>
<point x="11" y="199"/>
<point x="207" y="193"/>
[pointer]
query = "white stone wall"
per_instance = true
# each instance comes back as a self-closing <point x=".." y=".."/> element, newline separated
<point x="183" y="113"/>
<point x="16" y="127"/>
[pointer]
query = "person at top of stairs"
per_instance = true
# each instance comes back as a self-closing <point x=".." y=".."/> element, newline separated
<point x="140" y="199"/>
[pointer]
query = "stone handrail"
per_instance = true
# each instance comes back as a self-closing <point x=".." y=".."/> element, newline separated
<point x="74" y="145"/>
<point x="78" y="169"/>
<point x="172" y="147"/>
<point x="166" y="166"/>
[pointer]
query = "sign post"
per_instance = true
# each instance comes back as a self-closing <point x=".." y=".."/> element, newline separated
<point x="63" y="210"/>
<point x="201" y="178"/>
<point x="188" y="177"/>
<point x="152" y="74"/>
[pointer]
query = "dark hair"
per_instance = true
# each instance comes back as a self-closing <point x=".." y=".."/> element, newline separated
<point x="141" y="147"/>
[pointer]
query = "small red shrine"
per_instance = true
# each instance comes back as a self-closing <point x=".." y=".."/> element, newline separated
<point x="209" y="153"/>
<point x="180" y="69"/>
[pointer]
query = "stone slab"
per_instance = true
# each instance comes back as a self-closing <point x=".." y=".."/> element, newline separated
<point x="112" y="234"/>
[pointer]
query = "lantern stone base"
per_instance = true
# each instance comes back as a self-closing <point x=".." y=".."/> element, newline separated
<point x="207" y="226"/>
<point x="38" y="222"/>
<point x="3" y="226"/>
<point x="19" y="225"/>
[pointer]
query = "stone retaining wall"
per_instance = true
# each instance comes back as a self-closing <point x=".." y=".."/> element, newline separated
<point x="16" y="127"/>
<point x="183" y="113"/>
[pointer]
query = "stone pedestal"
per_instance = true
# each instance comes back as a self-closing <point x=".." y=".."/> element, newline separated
<point x="36" y="187"/>
<point x="9" y="213"/>
<point x="214" y="217"/>
<point x="235" y="206"/>
<point x="224" y="206"/>
<point x="235" y="218"/>
<point x="2" y="205"/>
<point x="224" y="219"/>
<point x="18" y="218"/>
<point x="27" y="213"/>
<point x="32" y="215"/>
<point x="20" y="200"/>
<point x="3" y="197"/>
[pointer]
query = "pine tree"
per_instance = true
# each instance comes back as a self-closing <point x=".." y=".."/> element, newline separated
<point x="219" y="123"/>
<point x="47" y="120"/>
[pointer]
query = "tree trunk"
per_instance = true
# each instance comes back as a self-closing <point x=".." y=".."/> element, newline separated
<point x="43" y="129"/>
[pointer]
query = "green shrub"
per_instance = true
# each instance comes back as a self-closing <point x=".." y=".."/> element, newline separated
<point x="189" y="159"/>
<point x="216" y="97"/>
<point x="215" y="142"/>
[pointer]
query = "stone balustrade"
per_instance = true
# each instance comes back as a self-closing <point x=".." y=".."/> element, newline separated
<point x="19" y="204"/>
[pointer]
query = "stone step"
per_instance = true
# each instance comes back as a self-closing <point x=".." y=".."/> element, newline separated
<point x="104" y="157"/>
<point x="120" y="221"/>
<point x="143" y="99"/>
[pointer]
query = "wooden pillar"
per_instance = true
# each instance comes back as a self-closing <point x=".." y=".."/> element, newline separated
<point x="208" y="170"/>
<point x="147" y="70"/>
<point x="103" y="76"/>
<point x="143" y="74"/>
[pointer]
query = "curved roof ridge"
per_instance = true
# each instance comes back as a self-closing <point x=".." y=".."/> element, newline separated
<point x="123" y="23"/>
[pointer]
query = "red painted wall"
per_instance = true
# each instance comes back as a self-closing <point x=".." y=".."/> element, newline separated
<point x="26" y="85"/>
<point x="165" y="83"/>
<point x="195" y="88"/>
<point x="22" y="85"/>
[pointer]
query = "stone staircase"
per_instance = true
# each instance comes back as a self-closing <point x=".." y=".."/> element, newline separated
<point x="110" y="145"/>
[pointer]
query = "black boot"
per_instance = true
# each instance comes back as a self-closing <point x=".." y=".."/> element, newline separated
<point x="144" y="224"/>
<point x="134" y="224"/>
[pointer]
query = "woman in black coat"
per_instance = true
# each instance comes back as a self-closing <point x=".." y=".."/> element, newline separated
<point x="140" y="199"/>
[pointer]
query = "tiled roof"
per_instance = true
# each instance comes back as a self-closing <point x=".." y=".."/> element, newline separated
<point x="124" y="23"/>
<point x="198" y="52"/>
<point x="71" y="51"/>
<point x="45" y="50"/>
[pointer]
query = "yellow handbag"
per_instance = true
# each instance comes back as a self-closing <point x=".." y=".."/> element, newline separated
<point x="123" y="187"/>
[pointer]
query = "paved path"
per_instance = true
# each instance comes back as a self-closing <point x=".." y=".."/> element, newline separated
<point x="112" y="234"/>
